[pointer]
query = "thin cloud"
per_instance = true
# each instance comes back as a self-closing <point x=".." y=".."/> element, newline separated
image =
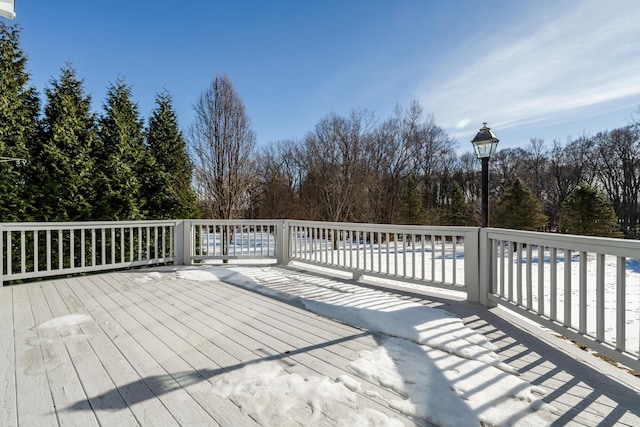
<point x="580" y="58"/>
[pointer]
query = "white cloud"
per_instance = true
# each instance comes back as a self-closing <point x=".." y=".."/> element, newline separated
<point x="577" y="58"/>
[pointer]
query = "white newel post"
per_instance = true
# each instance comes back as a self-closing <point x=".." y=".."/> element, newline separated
<point x="283" y="237"/>
<point x="472" y="266"/>
<point x="183" y="242"/>
<point x="486" y="262"/>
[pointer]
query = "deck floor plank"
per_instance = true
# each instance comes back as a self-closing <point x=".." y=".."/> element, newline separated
<point x="66" y="387"/>
<point x="134" y="392"/>
<point x="8" y="408"/>
<point x="192" y="365"/>
<point x="153" y="363"/>
<point x="35" y="403"/>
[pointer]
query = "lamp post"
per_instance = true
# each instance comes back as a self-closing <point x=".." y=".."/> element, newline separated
<point x="485" y="143"/>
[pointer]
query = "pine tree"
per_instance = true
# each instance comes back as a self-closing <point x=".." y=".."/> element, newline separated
<point x="411" y="209"/>
<point x="587" y="212"/>
<point x="62" y="158"/>
<point x="519" y="209"/>
<point x="118" y="157"/>
<point x="19" y="108"/>
<point x="457" y="211"/>
<point x="167" y="186"/>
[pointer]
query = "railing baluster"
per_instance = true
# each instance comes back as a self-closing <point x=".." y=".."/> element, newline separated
<point x="582" y="289"/>
<point x="48" y="249"/>
<point x="103" y="247"/>
<point x="60" y="249"/>
<point x="35" y="251"/>
<point x="567" y="287"/>
<point x="433" y="257"/>
<point x="553" y="283"/>
<point x="9" y="253"/>
<point x="155" y="243"/>
<point x="112" y="230"/>
<point x="72" y="255"/>
<point x="600" y="322"/>
<point x="621" y="302"/>
<point x="23" y="252"/>
<point x="519" y="273"/>
<point x="443" y="258"/>
<point x="502" y="275"/>
<point x="404" y="255"/>
<point x="510" y="282"/>
<point x="541" y="297"/>
<point x="529" y="278"/>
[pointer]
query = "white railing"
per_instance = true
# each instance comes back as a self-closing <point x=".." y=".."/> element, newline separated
<point x="444" y="257"/>
<point x="585" y="288"/>
<point x="33" y="250"/>
<point x="223" y="240"/>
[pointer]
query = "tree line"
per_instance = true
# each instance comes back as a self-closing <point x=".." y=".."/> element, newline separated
<point x="77" y="165"/>
<point x="407" y="170"/>
<point x="356" y="168"/>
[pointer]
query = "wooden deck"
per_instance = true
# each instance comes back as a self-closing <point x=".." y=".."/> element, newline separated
<point x="129" y="348"/>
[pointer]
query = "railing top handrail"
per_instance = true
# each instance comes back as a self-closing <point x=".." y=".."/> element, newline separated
<point x="568" y="241"/>
<point x="238" y="221"/>
<point x="447" y="230"/>
<point x="82" y="224"/>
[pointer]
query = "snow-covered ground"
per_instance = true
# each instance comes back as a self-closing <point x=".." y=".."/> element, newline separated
<point x="445" y="373"/>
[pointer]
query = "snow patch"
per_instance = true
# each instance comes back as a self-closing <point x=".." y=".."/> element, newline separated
<point x="266" y="392"/>
<point x="149" y="277"/>
<point x="63" y="322"/>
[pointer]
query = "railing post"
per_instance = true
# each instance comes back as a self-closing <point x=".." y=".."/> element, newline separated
<point x="486" y="260"/>
<point x="472" y="265"/>
<point x="183" y="242"/>
<point x="282" y="243"/>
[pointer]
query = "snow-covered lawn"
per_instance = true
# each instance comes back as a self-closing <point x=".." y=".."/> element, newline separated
<point x="445" y="373"/>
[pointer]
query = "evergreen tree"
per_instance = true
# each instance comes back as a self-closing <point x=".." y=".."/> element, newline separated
<point x="167" y="186"/>
<point x="411" y="209"/>
<point x="19" y="107"/>
<point x="62" y="159"/>
<point x="519" y="209"/>
<point x="587" y="212"/>
<point x="457" y="211"/>
<point x="118" y="157"/>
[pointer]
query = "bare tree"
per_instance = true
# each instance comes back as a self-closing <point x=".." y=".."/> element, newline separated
<point x="222" y="143"/>
<point x="618" y="172"/>
<point x="278" y="174"/>
<point x="433" y="150"/>
<point x="568" y="167"/>
<point x="335" y="176"/>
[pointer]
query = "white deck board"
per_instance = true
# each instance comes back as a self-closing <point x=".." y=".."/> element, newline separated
<point x="153" y="346"/>
<point x="8" y="409"/>
<point x="35" y="404"/>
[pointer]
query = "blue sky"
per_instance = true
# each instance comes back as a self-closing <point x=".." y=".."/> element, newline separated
<point x="545" y="69"/>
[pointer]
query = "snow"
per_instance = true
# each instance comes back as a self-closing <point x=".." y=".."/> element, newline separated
<point x="65" y="327"/>
<point x="438" y="369"/>
<point x="62" y="323"/>
<point x="276" y="398"/>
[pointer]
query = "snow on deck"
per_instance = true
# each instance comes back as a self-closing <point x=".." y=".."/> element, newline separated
<point x="271" y="346"/>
